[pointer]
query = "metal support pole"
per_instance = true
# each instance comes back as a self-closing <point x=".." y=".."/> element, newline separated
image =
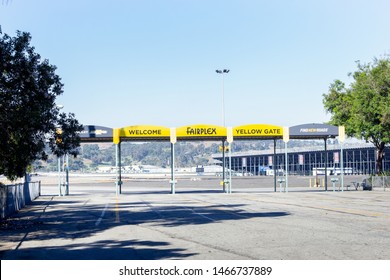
<point x="118" y="169"/>
<point x="230" y="167"/>
<point x="59" y="175"/>
<point x="273" y="165"/>
<point x="326" y="165"/>
<point x="342" y="167"/>
<point x="286" y="159"/>
<point x="223" y="166"/>
<point x="223" y="100"/>
<point x="173" y="169"/>
<point x="67" y="175"/>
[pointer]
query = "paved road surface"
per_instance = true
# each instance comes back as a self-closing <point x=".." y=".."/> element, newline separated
<point x="199" y="222"/>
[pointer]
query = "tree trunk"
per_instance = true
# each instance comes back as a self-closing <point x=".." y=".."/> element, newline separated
<point x="380" y="153"/>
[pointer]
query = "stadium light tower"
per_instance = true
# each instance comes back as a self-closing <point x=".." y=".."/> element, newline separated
<point x="223" y="72"/>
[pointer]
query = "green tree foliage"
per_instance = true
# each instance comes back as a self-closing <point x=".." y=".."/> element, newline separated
<point x="154" y="153"/>
<point x="91" y="151"/>
<point x="29" y="116"/>
<point x="66" y="137"/>
<point x="147" y="153"/>
<point x="76" y="164"/>
<point x="97" y="155"/>
<point x="364" y="107"/>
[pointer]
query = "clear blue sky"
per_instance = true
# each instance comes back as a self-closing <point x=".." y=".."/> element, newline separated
<point x="153" y="62"/>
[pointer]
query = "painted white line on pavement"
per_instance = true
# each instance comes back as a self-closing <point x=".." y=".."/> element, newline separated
<point x="98" y="221"/>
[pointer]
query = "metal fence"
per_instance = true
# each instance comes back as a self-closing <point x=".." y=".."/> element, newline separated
<point x="380" y="182"/>
<point x="357" y="160"/>
<point x="15" y="197"/>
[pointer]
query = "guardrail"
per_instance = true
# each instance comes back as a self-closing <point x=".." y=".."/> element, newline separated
<point x="15" y="197"/>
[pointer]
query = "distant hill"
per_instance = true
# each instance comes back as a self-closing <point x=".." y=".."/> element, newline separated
<point x="187" y="154"/>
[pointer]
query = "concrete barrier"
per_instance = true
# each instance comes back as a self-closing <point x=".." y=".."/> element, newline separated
<point x="15" y="197"/>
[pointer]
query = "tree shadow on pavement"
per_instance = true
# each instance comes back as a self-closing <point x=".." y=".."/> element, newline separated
<point x="64" y="223"/>
<point x="102" y="250"/>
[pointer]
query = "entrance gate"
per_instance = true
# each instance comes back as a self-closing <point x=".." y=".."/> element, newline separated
<point x="202" y="132"/>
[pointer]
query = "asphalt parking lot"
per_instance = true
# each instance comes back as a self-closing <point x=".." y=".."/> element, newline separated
<point x="199" y="222"/>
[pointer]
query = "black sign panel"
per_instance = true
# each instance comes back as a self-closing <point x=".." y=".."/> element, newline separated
<point x="96" y="133"/>
<point x="313" y="131"/>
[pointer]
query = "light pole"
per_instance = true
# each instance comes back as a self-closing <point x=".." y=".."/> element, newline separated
<point x="59" y="107"/>
<point x="65" y="167"/>
<point x="223" y="72"/>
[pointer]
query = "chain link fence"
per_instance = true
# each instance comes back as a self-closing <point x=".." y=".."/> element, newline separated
<point x="380" y="182"/>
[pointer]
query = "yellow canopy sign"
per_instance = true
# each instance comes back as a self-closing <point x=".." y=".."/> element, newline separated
<point x="143" y="132"/>
<point x="196" y="132"/>
<point x="257" y="130"/>
<point x="201" y="131"/>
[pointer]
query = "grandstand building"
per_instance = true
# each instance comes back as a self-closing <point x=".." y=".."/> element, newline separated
<point x="358" y="159"/>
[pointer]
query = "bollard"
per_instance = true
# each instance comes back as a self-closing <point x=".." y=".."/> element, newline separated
<point x="334" y="180"/>
<point x="281" y="182"/>
<point x="173" y="186"/>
